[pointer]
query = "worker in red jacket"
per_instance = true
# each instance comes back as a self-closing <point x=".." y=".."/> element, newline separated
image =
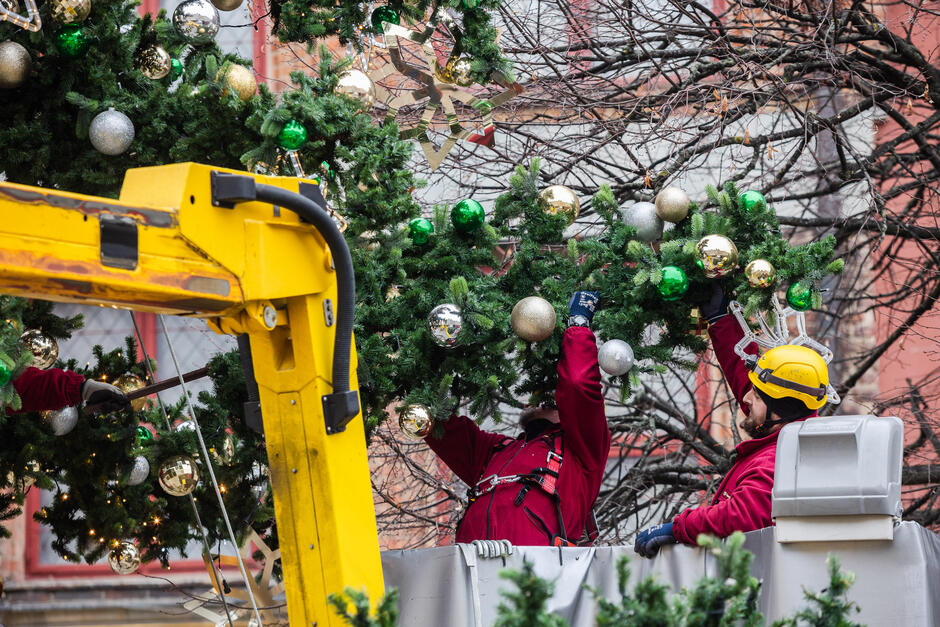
<point x="53" y="388"/>
<point x="786" y="384"/>
<point x="538" y="488"/>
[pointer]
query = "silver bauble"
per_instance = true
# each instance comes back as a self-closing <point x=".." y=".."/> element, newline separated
<point x="415" y="422"/>
<point x="124" y="559"/>
<point x="357" y="84"/>
<point x="178" y="475"/>
<point x="672" y="204"/>
<point x="533" y="319"/>
<point x="154" y="62"/>
<point x="15" y="65"/>
<point x="111" y="132"/>
<point x="227" y="5"/>
<point x="61" y="421"/>
<point x="45" y="349"/>
<point x="642" y="216"/>
<point x="196" y="21"/>
<point x="615" y="357"/>
<point x="445" y="322"/>
<point x="139" y="472"/>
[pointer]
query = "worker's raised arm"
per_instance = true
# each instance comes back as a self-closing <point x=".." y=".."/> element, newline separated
<point x="725" y="332"/>
<point x="464" y="447"/>
<point x="579" y="396"/>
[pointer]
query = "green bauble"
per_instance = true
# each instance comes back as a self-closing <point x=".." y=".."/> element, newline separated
<point x="292" y="136"/>
<point x="467" y="215"/>
<point x="420" y="230"/>
<point x="72" y="41"/>
<point x="674" y="283"/>
<point x="176" y="68"/>
<point x="6" y="370"/>
<point x="750" y="200"/>
<point x="383" y="14"/>
<point x="799" y="296"/>
<point x="144" y="435"/>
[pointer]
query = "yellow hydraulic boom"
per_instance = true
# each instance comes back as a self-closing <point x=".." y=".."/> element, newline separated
<point x="253" y="255"/>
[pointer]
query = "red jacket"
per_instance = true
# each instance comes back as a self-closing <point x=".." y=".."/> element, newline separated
<point x="474" y="454"/>
<point x="48" y="389"/>
<point x="743" y="500"/>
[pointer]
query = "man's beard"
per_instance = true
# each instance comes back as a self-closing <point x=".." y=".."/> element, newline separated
<point x="753" y="428"/>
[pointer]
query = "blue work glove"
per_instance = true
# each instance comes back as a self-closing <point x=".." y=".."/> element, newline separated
<point x="716" y="307"/>
<point x="583" y="304"/>
<point x="649" y="540"/>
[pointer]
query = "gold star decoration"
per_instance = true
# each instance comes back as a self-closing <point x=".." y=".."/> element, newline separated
<point x="439" y="95"/>
<point x="209" y="605"/>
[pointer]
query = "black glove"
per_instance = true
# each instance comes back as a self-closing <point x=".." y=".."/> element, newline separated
<point x="650" y="540"/>
<point x="104" y="397"/>
<point x="581" y="308"/>
<point x="716" y="307"/>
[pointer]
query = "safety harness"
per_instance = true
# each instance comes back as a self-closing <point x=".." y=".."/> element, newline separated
<point x="545" y="478"/>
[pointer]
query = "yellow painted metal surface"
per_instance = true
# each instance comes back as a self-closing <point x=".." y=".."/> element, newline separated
<point x="226" y="265"/>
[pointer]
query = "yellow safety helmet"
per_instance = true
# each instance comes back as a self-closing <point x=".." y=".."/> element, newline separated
<point x="791" y="371"/>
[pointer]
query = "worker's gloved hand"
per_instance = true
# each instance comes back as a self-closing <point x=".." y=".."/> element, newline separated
<point x="581" y="308"/>
<point x="103" y="396"/>
<point x="650" y="540"/>
<point x="716" y="307"/>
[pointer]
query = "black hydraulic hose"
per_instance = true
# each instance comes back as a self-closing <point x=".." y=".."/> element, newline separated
<point x="342" y="262"/>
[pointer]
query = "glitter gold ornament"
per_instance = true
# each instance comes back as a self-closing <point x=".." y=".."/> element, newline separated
<point x="226" y="5"/>
<point x="124" y="559"/>
<point x="45" y="349"/>
<point x="455" y="72"/>
<point x="128" y="383"/>
<point x="760" y="273"/>
<point x="240" y="81"/>
<point x="357" y="85"/>
<point x="415" y="422"/>
<point x="642" y="216"/>
<point x="445" y="323"/>
<point x="154" y="62"/>
<point x="61" y="421"/>
<point x="69" y="11"/>
<point x="717" y="256"/>
<point x="178" y="475"/>
<point x="615" y="357"/>
<point x="558" y="199"/>
<point x="15" y="65"/>
<point x="533" y="319"/>
<point x="672" y="204"/>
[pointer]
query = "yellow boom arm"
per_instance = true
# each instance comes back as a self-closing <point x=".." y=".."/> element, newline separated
<point x="187" y="239"/>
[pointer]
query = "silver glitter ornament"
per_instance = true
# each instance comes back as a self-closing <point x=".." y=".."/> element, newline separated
<point x="642" y="216"/>
<point x="61" y="421"/>
<point x="416" y="422"/>
<point x="154" y="62"/>
<point x="139" y="472"/>
<point x="45" y="349"/>
<point x="111" y="132"/>
<point x="615" y="357"/>
<point x="445" y="322"/>
<point x="533" y="319"/>
<point x="178" y="475"/>
<point x="227" y="5"/>
<point x="196" y="21"/>
<point x="672" y="204"/>
<point x="124" y="559"/>
<point x="15" y="65"/>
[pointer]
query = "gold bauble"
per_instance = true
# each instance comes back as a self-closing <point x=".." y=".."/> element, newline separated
<point x="178" y="475"/>
<point x="226" y="5"/>
<point x="392" y="293"/>
<point x="357" y="84"/>
<point x="533" y="319"/>
<point x="128" y="383"/>
<point x="416" y="422"/>
<point x="455" y="72"/>
<point x="154" y="62"/>
<point x="69" y="11"/>
<point x="124" y="558"/>
<point x="15" y="65"/>
<point x="672" y="204"/>
<point x="225" y="453"/>
<point x="240" y="81"/>
<point x="45" y="349"/>
<point x="558" y="199"/>
<point x="760" y="273"/>
<point x="717" y="255"/>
